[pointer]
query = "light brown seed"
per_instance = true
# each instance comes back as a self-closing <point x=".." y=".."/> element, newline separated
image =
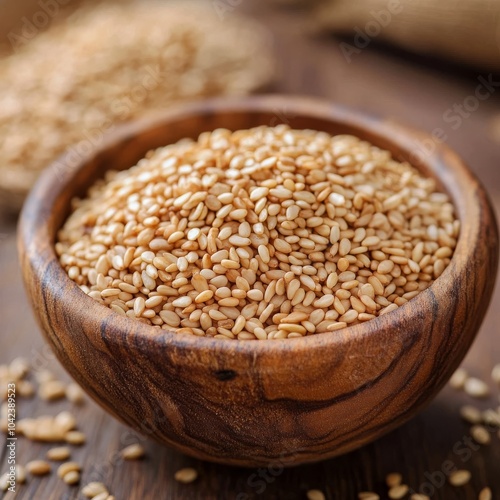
<point x="75" y="394"/>
<point x="20" y="474"/>
<point x="393" y="479"/>
<point x="38" y="467"/>
<point x="186" y="475"/>
<point x="368" y="495"/>
<point x="491" y="417"/>
<point x="459" y="478"/>
<point x="204" y="296"/>
<point x="485" y="494"/>
<point x="67" y="467"/>
<point x="480" y="434"/>
<point x="471" y="414"/>
<point x="457" y="380"/>
<point x="59" y="454"/>
<point x="75" y="438"/>
<point x="72" y="477"/>
<point x="133" y="452"/>
<point x="4" y="482"/>
<point x="102" y="496"/>
<point x="25" y="389"/>
<point x="18" y="368"/>
<point x="419" y="496"/>
<point x="476" y="388"/>
<point x="397" y="492"/>
<point x="315" y="495"/>
<point x="52" y="390"/>
<point x="93" y="489"/>
<point x="65" y="421"/>
<point x="495" y="374"/>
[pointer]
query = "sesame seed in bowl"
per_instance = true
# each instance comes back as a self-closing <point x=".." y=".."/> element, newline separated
<point x="266" y="233"/>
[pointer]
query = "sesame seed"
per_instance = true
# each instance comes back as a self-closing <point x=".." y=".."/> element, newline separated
<point x="495" y="374"/>
<point x="393" y="479"/>
<point x="72" y="477"/>
<point x="91" y="490"/>
<point x="485" y="494"/>
<point x="491" y="417"/>
<point x="457" y="380"/>
<point x="399" y="491"/>
<point x="368" y="495"/>
<point x="4" y="481"/>
<point x="52" y="390"/>
<point x="133" y="452"/>
<point x="38" y="467"/>
<point x="186" y="475"/>
<point x="59" y="454"/>
<point x="480" y="434"/>
<point x="471" y="414"/>
<point x="75" y="437"/>
<point x="68" y="467"/>
<point x="315" y="495"/>
<point x="476" y="388"/>
<point x="459" y="478"/>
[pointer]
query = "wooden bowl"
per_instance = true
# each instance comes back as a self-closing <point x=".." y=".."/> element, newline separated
<point x="262" y="402"/>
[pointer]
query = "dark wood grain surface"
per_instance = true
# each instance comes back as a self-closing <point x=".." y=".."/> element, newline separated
<point x="390" y="84"/>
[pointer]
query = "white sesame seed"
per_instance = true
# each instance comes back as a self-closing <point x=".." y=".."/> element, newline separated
<point x="476" y="388"/>
<point x="457" y="380"/>
<point x="459" y="478"/>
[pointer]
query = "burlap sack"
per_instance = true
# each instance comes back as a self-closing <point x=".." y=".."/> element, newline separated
<point x="464" y="31"/>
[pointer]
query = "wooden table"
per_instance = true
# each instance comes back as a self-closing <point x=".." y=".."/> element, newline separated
<point x="406" y="89"/>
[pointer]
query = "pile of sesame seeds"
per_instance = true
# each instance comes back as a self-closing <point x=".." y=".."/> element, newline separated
<point x="268" y="233"/>
<point x="66" y="87"/>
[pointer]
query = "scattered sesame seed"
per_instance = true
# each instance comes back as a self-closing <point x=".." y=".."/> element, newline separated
<point x="68" y="467"/>
<point x="52" y="390"/>
<point x="133" y="452"/>
<point x="393" y="479"/>
<point x="397" y="492"/>
<point x="480" y="434"/>
<point x="491" y="417"/>
<point x="75" y="394"/>
<point x="495" y="374"/>
<point x="4" y="481"/>
<point x="485" y="494"/>
<point x="72" y="477"/>
<point x="476" y="388"/>
<point x="93" y="489"/>
<point x="315" y="495"/>
<point x="59" y="454"/>
<point x="368" y="495"/>
<point x="459" y="477"/>
<point x="457" y="380"/>
<point x="75" y="438"/>
<point x="471" y="414"/>
<point x="38" y="467"/>
<point x="186" y="475"/>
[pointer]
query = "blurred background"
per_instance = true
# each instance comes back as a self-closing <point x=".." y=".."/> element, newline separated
<point x="71" y="71"/>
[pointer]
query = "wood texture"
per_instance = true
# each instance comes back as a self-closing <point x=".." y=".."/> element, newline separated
<point x="376" y="82"/>
<point x="252" y="403"/>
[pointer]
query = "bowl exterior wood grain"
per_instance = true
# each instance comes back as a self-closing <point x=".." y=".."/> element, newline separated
<point x="261" y="402"/>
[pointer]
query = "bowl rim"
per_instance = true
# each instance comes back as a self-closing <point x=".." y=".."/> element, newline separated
<point x="34" y="224"/>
